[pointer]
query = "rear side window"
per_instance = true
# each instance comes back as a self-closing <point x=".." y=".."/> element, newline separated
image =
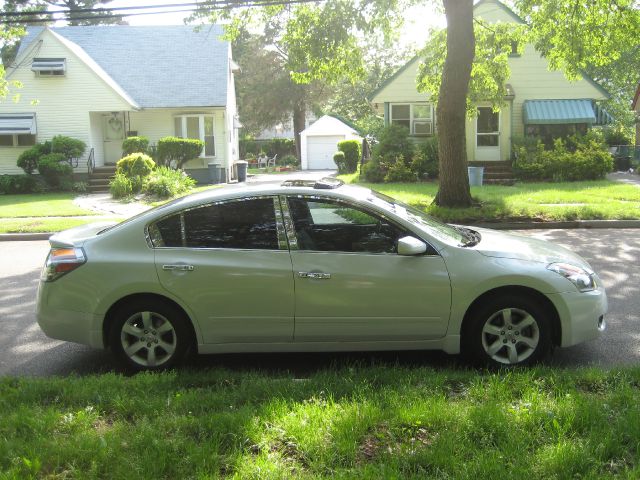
<point x="245" y="224"/>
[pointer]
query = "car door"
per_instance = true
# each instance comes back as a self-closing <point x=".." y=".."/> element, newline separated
<point x="229" y="262"/>
<point x="350" y="283"/>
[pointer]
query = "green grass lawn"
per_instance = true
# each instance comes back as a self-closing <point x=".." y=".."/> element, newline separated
<point x="40" y="205"/>
<point x="347" y="422"/>
<point x="47" y="224"/>
<point x="593" y="200"/>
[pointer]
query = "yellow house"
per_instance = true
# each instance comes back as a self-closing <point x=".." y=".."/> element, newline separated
<point x="635" y="106"/>
<point x="101" y="84"/>
<point x="539" y="101"/>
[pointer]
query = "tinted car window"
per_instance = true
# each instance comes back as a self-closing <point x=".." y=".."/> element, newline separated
<point x="328" y="226"/>
<point x="249" y="224"/>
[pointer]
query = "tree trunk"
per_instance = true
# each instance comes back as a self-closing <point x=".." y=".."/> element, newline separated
<point x="454" y="190"/>
<point x="299" y="117"/>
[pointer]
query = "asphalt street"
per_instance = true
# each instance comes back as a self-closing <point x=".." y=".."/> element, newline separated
<point x="25" y="350"/>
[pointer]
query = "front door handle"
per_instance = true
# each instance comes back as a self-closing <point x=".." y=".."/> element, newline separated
<point x="183" y="268"/>
<point x="315" y="275"/>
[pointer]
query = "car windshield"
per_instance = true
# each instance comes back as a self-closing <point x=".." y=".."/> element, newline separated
<point x="442" y="231"/>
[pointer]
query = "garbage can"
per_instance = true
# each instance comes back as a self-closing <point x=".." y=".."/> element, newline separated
<point x="241" y="166"/>
<point x="475" y="176"/>
<point x="214" y="172"/>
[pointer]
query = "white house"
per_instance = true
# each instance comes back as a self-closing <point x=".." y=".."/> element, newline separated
<point x="101" y="84"/>
<point x="539" y="101"/>
<point x="320" y="141"/>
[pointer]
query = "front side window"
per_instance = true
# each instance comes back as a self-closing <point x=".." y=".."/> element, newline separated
<point x="22" y="140"/>
<point x="199" y="127"/>
<point x="330" y="226"/>
<point x="417" y="117"/>
<point x="244" y="224"/>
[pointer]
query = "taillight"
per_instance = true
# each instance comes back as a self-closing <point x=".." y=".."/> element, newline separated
<point x="61" y="261"/>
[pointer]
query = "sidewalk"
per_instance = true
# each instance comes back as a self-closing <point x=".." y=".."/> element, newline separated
<point x="624" y="177"/>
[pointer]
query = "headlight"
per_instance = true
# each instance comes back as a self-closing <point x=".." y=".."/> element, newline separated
<point x="582" y="279"/>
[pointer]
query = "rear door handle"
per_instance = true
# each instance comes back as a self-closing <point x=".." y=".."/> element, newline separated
<point x="184" y="268"/>
<point x="315" y="275"/>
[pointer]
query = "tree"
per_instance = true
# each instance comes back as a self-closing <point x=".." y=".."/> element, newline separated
<point x="76" y="16"/>
<point x="314" y="43"/>
<point x="572" y="48"/>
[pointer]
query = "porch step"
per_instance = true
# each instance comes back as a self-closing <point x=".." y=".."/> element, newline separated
<point x="100" y="177"/>
<point x="496" y="173"/>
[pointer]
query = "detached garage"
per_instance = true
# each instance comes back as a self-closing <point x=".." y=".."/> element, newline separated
<point x="320" y="141"/>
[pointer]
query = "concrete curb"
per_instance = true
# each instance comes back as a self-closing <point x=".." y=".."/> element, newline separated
<point x="495" y="226"/>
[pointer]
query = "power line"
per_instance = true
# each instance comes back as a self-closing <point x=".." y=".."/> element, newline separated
<point x="114" y="11"/>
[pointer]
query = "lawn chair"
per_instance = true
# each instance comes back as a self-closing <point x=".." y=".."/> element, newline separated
<point x="263" y="161"/>
<point x="271" y="162"/>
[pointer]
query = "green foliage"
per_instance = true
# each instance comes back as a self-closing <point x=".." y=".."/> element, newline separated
<point x="135" y="145"/>
<point x="165" y="182"/>
<point x="585" y="160"/>
<point x="135" y="165"/>
<point x="373" y="171"/>
<point x="175" y="151"/>
<point x="250" y="148"/>
<point x="28" y="160"/>
<point x="121" y="186"/>
<point x="288" y="161"/>
<point x="616" y="136"/>
<point x="425" y="162"/>
<point x="67" y="146"/>
<point x="19" y="184"/>
<point x="80" y="187"/>
<point x="399" y="172"/>
<point x="56" y="171"/>
<point x="394" y="140"/>
<point x="341" y="163"/>
<point x="352" y="151"/>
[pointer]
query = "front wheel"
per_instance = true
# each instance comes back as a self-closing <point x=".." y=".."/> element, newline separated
<point x="149" y="337"/>
<point x="508" y="331"/>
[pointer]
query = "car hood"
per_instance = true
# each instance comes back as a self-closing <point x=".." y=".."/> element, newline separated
<point x="508" y="245"/>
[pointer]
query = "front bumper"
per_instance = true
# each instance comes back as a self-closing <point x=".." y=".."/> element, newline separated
<point x="581" y="315"/>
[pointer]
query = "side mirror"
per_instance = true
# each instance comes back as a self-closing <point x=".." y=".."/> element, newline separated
<point x="411" y="246"/>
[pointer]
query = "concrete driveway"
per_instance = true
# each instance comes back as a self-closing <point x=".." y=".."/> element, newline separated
<point x="24" y="350"/>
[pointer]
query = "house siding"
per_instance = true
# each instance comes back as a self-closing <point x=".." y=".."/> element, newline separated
<point x="62" y="104"/>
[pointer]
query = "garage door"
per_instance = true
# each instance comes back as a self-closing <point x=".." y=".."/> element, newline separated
<point x="320" y="151"/>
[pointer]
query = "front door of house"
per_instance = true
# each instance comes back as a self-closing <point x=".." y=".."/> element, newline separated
<point x="113" y="135"/>
<point x="487" y="135"/>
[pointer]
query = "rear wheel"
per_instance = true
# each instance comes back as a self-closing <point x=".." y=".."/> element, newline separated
<point x="508" y="331"/>
<point x="148" y="336"/>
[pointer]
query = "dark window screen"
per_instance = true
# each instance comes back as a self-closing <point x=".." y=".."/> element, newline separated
<point x="169" y="232"/>
<point x="247" y="224"/>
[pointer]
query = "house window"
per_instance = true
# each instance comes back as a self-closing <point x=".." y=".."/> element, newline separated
<point x="199" y="127"/>
<point x="49" y="67"/>
<point x="17" y="129"/>
<point x="417" y="117"/>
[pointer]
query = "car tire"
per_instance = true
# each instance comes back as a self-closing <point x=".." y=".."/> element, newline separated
<point x="150" y="335"/>
<point x="508" y="332"/>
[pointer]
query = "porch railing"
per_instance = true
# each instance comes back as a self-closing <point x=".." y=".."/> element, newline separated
<point x="91" y="161"/>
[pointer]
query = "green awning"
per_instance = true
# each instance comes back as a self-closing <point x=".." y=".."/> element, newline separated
<point x="602" y="116"/>
<point x="549" y="112"/>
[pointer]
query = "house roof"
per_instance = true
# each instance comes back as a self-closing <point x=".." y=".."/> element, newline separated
<point x="156" y="66"/>
<point x="329" y="125"/>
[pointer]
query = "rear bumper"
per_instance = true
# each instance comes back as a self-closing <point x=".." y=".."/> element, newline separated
<point x="69" y="325"/>
<point x="581" y="315"/>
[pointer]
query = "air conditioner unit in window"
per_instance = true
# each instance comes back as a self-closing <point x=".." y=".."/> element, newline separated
<point x="422" y="128"/>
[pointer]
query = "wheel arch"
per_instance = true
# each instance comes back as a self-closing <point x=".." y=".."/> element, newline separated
<point x="511" y="290"/>
<point x="143" y="296"/>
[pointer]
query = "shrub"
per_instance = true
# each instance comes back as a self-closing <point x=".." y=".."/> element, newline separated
<point x="280" y="147"/>
<point x="135" y="145"/>
<point x="175" y="151"/>
<point x="589" y="161"/>
<point x="67" y="146"/>
<point x="425" y="162"/>
<point x="55" y="170"/>
<point x="616" y="136"/>
<point x="135" y="165"/>
<point x="121" y="186"/>
<point x="288" y="161"/>
<point x="394" y="141"/>
<point x="28" y="160"/>
<point x="341" y="162"/>
<point x="19" y="184"/>
<point x="352" y="151"/>
<point x="399" y="172"/>
<point x="80" y="187"/>
<point x="166" y="182"/>
<point x="373" y="171"/>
